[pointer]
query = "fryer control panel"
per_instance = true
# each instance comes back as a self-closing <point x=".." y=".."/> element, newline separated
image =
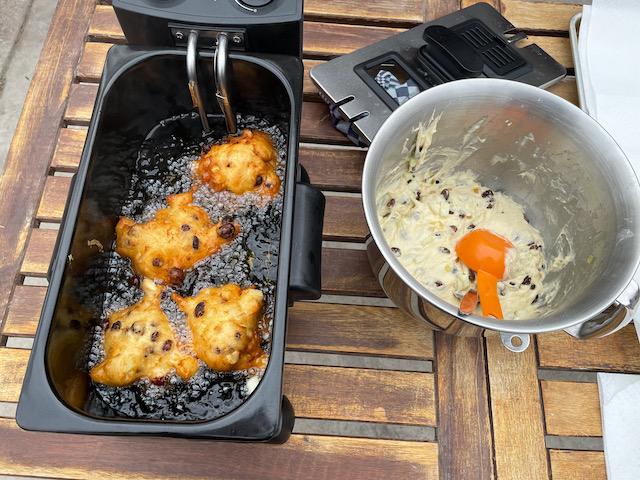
<point x="365" y="86"/>
<point x="213" y="11"/>
<point x="266" y="26"/>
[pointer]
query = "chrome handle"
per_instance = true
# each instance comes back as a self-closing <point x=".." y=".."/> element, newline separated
<point x="618" y="315"/>
<point x="220" y="74"/>
<point x="192" y="76"/>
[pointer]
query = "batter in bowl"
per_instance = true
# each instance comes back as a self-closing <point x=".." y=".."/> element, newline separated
<point x="423" y="215"/>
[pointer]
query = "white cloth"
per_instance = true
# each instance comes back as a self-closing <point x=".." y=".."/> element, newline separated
<point x="620" y="408"/>
<point x="610" y="72"/>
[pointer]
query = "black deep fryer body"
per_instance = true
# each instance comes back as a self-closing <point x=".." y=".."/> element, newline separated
<point x="140" y="87"/>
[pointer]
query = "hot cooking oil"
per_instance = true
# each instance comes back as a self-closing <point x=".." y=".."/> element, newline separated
<point x="163" y="168"/>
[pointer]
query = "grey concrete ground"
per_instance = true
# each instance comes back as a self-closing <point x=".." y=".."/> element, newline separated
<point x="23" y="28"/>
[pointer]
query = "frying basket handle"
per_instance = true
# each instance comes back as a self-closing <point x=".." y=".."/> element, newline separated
<point x="615" y="317"/>
<point x="220" y="70"/>
<point x="192" y="76"/>
<point x="305" y="279"/>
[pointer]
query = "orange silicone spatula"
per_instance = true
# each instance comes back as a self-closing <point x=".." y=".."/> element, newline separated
<point x="485" y="252"/>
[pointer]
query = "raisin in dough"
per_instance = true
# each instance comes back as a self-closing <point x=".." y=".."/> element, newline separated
<point x="164" y="248"/>
<point x="224" y="325"/>
<point x="241" y="164"/>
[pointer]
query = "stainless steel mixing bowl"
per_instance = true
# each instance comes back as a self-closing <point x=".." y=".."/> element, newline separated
<point x="575" y="183"/>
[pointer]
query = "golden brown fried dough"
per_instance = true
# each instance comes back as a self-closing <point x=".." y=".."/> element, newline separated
<point x="163" y="249"/>
<point x="224" y="324"/>
<point x="140" y="343"/>
<point x="241" y="164"/>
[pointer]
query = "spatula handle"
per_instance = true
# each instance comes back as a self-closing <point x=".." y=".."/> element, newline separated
<point x="488" y="292"/>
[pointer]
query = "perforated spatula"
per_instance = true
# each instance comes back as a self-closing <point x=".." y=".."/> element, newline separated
<point x="485" y="252"/>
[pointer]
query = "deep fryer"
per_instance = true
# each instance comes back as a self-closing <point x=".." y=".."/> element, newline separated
<point x="143" y="88"/>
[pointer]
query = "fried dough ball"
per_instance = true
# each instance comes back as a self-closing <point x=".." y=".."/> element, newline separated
<point x="140" y="343"/>
<point x="164" y="248"/>
<point x="224" y="324"/>
<point x="241" y="164"/>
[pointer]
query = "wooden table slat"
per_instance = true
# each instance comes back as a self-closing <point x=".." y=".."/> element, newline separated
<point x="92" y="62"/>
<point x="552" y="16"/>
<point x="515" y="396"/>
<point x="571" y="408"/>
<point x="344" y="220"/>
<point x="309" y="90"/>
<point x="54" y="198"/>
<point x="324" y="39"/>
<point x="559" y="48"/>
<point x="619" y="352"/>
<point x="13" y="365"/>
<point x="344" y="216"/>
<point x="347" y="272"/>
<point x="464" y="429"/>
<point x="382" y="396"/>
<point x="384" y="12"/>
<point x="105" y="27"/>
<point x="39" y="251"/>
<point x="357" y="329"/>
<point x="24" y="311"/>
<point x="329" y="168"/>
<point x="303" y="456"/>
<point x="439" y="8"/>
<point x="315" y="327"/>
<point x="376" y="395"/>
<point x="69" y="149"/>
<point x="81" y="101"/>
<point x="577" y="465"/>
<point x="333" y="168"/>
<point x="566" y="89"/>
<point x="316" y="126"/>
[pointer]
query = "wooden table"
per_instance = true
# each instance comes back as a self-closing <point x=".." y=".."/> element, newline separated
<point x="376" y="394"/>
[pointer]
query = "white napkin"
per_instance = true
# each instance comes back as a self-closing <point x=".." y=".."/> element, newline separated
<point x="610" y="71"/>
<point x="620" y="407"/>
